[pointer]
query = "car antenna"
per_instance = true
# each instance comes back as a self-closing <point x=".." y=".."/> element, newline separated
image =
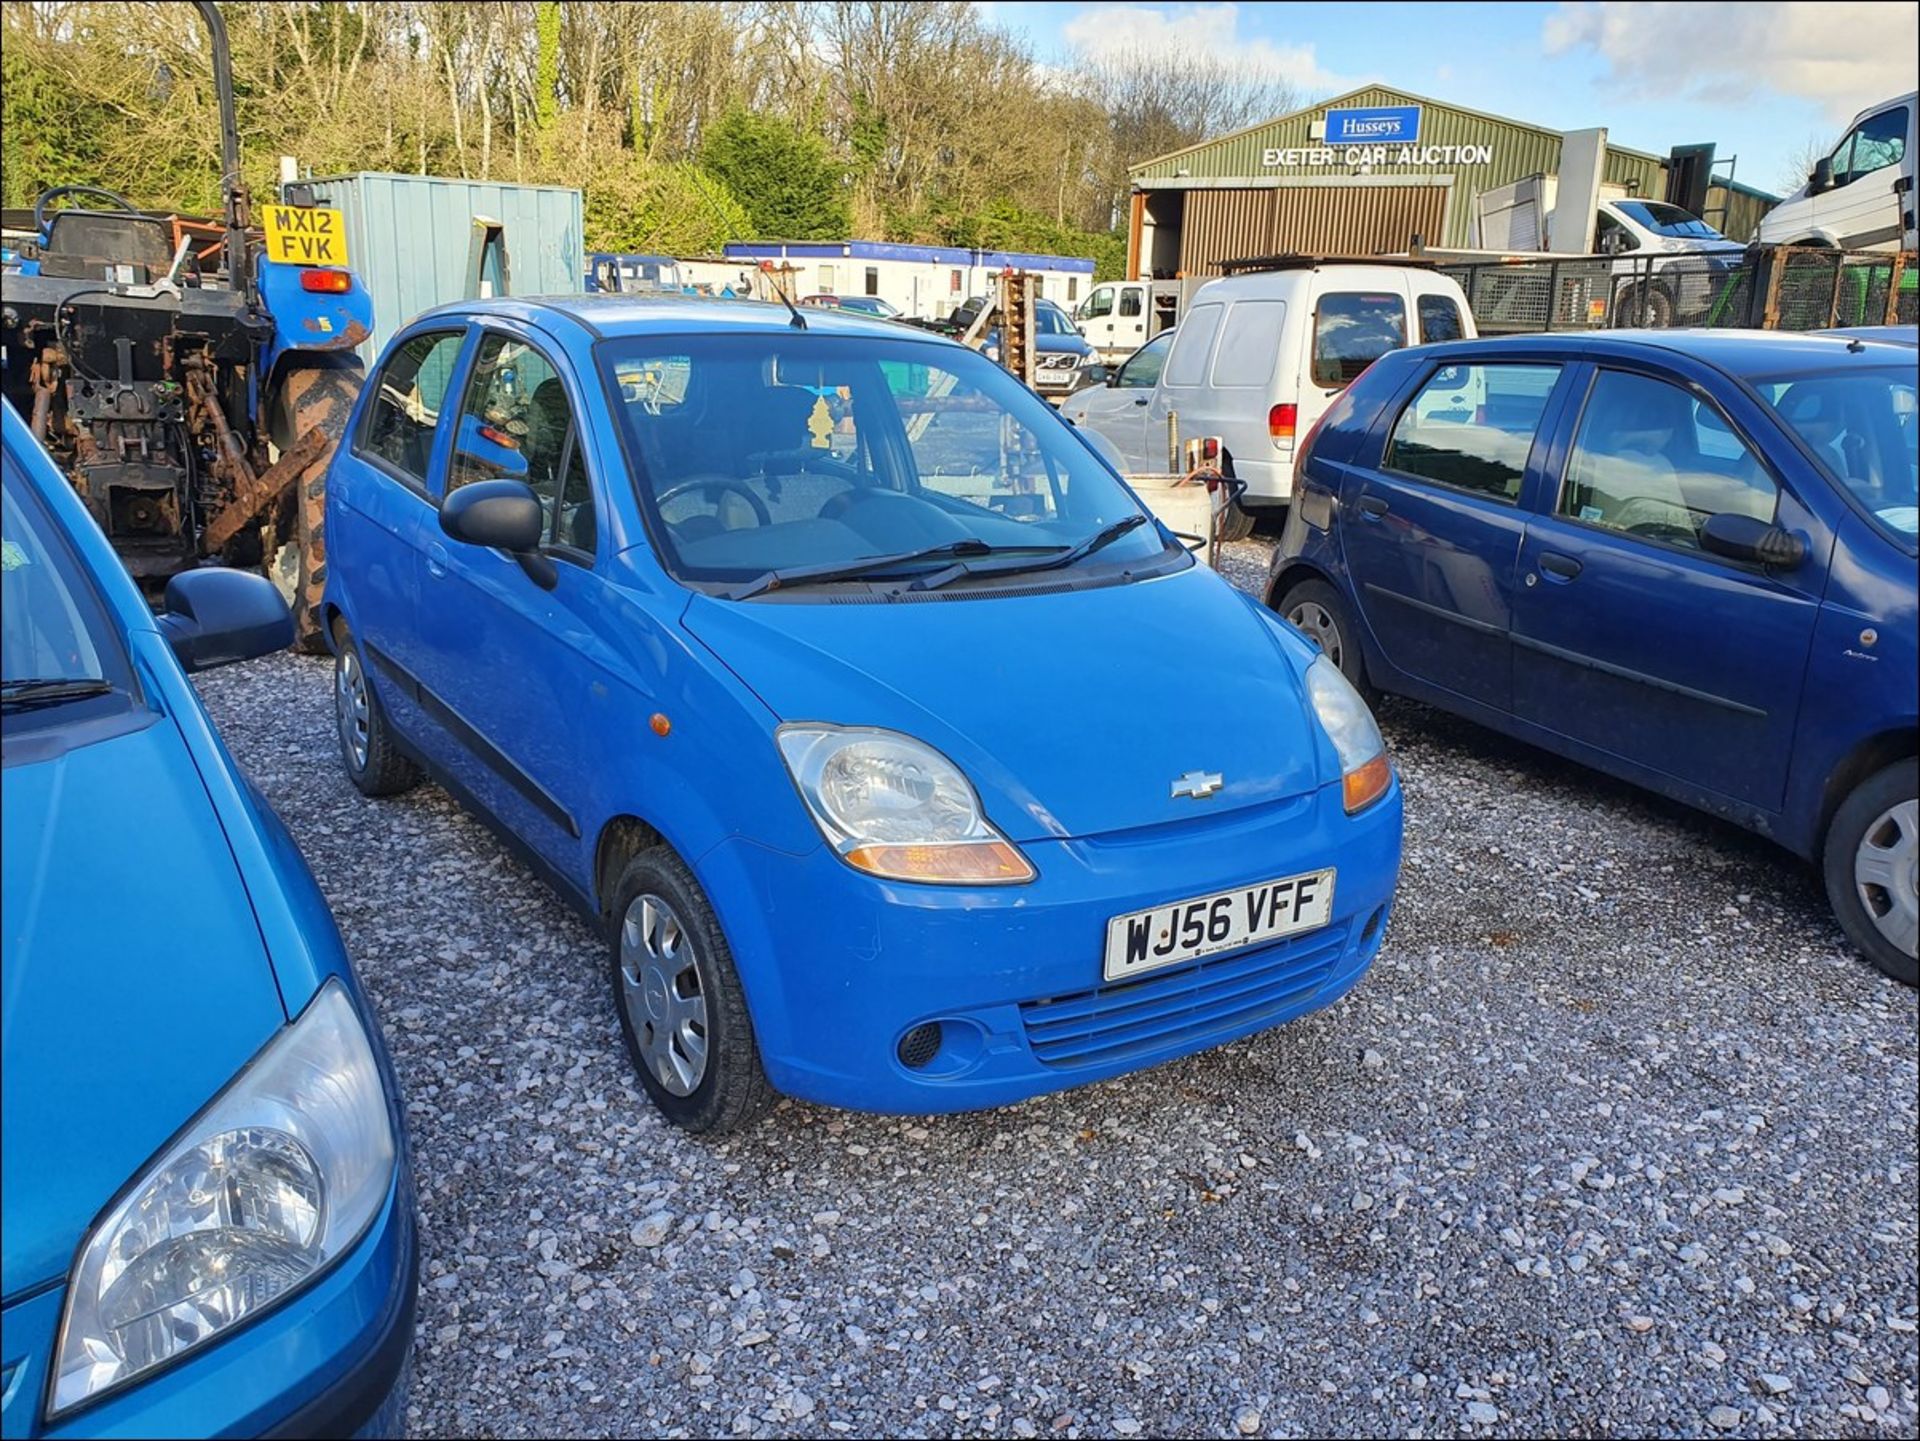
<point x="799" y="321"/>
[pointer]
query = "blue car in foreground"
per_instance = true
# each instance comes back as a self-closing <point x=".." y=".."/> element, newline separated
<point x="208" y="1217"/>
<point x="1686" y="558"/>
<point x="905" y="761"/>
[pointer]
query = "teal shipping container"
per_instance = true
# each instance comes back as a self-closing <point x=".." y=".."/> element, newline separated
<point x="418" y="241"/>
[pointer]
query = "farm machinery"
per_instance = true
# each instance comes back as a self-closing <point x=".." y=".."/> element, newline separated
<point x="191" y="377"/>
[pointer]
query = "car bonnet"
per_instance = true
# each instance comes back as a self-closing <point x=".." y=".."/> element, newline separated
<point x="1074" y="713"/>
<point x="136" y="982"/>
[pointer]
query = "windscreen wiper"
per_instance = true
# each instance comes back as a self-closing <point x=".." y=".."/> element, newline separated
<point x="48" y="690"/>
<point x="872" y="565"/>
<point x="1105" y="536"/>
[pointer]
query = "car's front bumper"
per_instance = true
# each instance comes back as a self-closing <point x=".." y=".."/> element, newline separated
<point x="330" y="1361"/>
<point x="840" y="967"/>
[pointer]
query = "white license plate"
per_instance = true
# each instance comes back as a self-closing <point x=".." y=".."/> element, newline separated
<point x="1208" y="925"/>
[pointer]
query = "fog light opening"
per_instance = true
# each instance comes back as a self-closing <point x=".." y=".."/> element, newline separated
<point x="1372" y="927"/>
<point x="919" y="1046"/>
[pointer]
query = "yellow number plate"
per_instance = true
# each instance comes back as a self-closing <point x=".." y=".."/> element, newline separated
<point x="303" y="235"/>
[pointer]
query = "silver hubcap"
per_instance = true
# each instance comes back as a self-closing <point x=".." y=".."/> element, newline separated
<point x="350" y="702"/>
<point x="1316" y="623"/>
<point x="660" y="987"/>
<point x="1886" y="872"/>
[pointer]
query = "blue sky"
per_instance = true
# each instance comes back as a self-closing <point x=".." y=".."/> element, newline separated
<point x="1760" y="81"/>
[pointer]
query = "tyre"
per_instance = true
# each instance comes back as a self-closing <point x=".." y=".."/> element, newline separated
<point x="1873" y="846"/>
<point x="312" y="396"/>
<point x="367" y="749"/>
<point x="1315" y="609"/>
<point x="1647" y="306"/>
<point x="1236" y="523"/>
<point x="681" y="1006"/>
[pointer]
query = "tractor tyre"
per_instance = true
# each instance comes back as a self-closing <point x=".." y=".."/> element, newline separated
<point x="310" y="396"/>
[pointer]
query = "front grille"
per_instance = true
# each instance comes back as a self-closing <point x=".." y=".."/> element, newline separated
<point x="1186" y="1004"/>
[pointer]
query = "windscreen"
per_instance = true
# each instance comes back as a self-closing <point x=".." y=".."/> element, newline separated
<point x="1669" y="220"/>
<point x="1861" y="425"/>
<point x="755" y="453"/>
<point x="54" y="630"/>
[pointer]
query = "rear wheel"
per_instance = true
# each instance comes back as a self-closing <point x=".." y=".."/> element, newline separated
<point x="1872" y="869"/>
<point x="1236" y="523"/>
<point x="1315" y="609"/>
<point x="368" y="749"/>
<point x="320" y="396"/>
<point x="682" y="1009"/>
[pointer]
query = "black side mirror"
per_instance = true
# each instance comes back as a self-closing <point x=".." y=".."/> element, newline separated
<point x="1096" y="374"/>
<point x="1822" y="177"/>
<point x="216" y="616"/>
<point x="1110" y="376"/>
<point x="1741" y="537"/>
<point x="501" y="515"/>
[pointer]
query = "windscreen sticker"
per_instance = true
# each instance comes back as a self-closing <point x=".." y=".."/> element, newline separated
<point x="1592" y="512"/>
<point x="11" y="556"/>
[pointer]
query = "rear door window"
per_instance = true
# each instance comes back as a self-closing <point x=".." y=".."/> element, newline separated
<point x="1351" y="330"/>
<point x="408" y="395"/>
<point x="1193" y="342"/>
<point x="1249" y="344"/>
<point x="1471" y="427"/>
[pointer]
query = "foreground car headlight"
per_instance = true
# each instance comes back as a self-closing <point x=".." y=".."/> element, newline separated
<point x="1364" y="771"/>
<point x="274" y="1180"/>
<point x="896" y="808"/>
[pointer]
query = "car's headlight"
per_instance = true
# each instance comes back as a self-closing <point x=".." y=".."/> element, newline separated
<point x="896" y="808"/>
<point x="274" y="1180"/>
<point x="1364" y="771"/>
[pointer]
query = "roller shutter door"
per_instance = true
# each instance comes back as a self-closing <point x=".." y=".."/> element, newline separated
<point x="1219" y="225"/>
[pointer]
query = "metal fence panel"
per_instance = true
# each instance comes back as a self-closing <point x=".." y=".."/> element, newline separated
<point x="1780" y="288"/>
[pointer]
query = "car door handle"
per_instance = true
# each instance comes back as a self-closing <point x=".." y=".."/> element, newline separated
<point x="1142" y="400"/>
<point x="436" y="559"/>
<point x="1372" y="507"/>
<point x="1557" y="567"/>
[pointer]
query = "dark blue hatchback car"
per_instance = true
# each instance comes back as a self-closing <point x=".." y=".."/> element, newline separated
<point x="1685" y="558"/>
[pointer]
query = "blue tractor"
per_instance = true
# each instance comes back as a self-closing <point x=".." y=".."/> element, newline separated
<point x="191" y="378"/>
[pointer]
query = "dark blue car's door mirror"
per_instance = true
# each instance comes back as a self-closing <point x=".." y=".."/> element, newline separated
<point x="216" y="616"/>
<point x="1741" y="537"/>
<point x="501" y="515"/>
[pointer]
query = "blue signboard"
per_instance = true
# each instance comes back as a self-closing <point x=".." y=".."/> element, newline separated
<point x="1375" y="124"/>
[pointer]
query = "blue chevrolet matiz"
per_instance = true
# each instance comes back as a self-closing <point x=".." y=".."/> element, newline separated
<point x="907" y="763"/>
<point x="208" y="1217"/>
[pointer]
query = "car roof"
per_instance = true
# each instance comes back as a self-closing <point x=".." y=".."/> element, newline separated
<point x="1737" y="352"/>
<point x="611" y="316"/>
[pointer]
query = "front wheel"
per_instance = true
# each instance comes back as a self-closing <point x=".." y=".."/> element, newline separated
<point x="1872" y="854"/>
<point x="682" y="1009"/>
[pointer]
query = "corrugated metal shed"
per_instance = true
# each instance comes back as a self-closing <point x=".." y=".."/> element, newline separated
<point x="1517" y="150"/>
<point x="1743" y="208"/>
<point x="410" y="238"/>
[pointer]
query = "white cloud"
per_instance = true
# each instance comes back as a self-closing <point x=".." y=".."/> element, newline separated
<point x="1841" y="54"/>
<point x="1100" y="31"/>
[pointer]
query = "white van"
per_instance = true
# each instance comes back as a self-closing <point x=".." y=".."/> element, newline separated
<point x="1861" y="196"/>
<point x="1257" y="358"/>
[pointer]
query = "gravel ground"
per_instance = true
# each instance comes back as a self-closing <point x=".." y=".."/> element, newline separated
<point x="1615" y="1139"/>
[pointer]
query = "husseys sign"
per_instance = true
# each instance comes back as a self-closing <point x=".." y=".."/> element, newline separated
<point x="1374" y="135"/>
